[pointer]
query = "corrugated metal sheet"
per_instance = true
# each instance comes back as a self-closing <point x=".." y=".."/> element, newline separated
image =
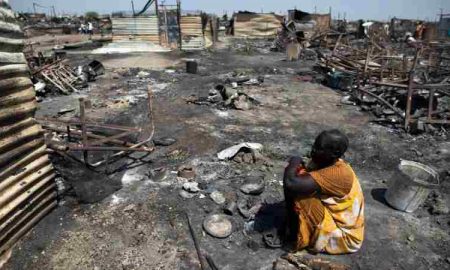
<point x="27" y="187"/>
<point x="323" y="21"/>
<point x="138" y="28"/>
<point x="170" y="31"/>
<point x="256" y="25"/>
<point x="192" y="33"/>
<point x="444" y="27"/>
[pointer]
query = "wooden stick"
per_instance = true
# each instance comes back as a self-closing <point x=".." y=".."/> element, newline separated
<point x="409" y="100"/>
<point x="197" y="246"/>
<point x="83" y="129"/>
<point x="430" y="105"/>
<point x="383" y="101"/>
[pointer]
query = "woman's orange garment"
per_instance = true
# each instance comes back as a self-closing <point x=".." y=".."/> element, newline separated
<point x="333" y="221"/>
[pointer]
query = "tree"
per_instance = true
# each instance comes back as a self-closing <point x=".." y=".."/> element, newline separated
<point x="91" y="15"/>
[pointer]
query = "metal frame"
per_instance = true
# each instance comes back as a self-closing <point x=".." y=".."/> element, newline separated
<point x="81" y="129"/>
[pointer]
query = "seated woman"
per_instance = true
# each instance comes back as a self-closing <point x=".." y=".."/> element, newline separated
<point x="325" y="203"/>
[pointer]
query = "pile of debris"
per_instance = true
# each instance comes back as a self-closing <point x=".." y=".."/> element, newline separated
<point x="53" y="74"/>
<point x="403" y="87"/>
<point x="232" y="97"/>
<point x="247" y="205"/>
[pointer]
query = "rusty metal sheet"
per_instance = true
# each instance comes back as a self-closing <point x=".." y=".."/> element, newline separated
<point x="192" y="37"/>
<point x="256" y="25"/>
<point x="27" y="186"/>
<point x="137" y="28"/>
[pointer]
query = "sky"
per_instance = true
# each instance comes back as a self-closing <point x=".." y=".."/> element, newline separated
<point x="353" y="9"/>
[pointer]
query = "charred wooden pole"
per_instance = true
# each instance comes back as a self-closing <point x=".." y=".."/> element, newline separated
<point x="196" y="244"/>
<point x="430" y="105"/>
<point x="180" y="40"/>
<point x="83" y="129"/>
<point x="409" y="100"/>
<point x="366" y="65"/>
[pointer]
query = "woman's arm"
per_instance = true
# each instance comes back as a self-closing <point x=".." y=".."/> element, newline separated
<point x="298" y="185"/>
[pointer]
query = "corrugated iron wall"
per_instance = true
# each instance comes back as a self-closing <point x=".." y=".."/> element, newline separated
<point x="27" y="187"/>
<point x="137" y="28"/>
<point x="323" y="21"/>
<point x="256" y="25"/>
<point x="444" y="27"/>
<point x="192" y="37"/>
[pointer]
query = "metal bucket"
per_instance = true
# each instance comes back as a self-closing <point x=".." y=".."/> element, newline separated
<point x="411" y="186"/>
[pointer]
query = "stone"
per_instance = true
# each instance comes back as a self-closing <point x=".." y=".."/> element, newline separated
<point x="411" y="238"/>
<point x="164" y="141"/>
<point x="218" y="226"/>
<point x="191" y="187"/>
<point x="217" y="197"/>
<point x="186" y="195"/>
<point x="242" y="103"/>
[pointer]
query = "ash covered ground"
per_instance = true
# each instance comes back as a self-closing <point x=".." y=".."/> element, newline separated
<point x="139" y="222"/>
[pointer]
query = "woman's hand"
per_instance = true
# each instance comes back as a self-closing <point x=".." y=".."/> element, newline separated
<point x="296" y="161"/>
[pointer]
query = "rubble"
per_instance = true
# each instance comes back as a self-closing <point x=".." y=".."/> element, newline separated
<point x="186" y="195"/>
<point x="217" y="197"/>
<point x="224" y="97"/>
<point x="191" y="187"/>
<point x="53" y="75"/>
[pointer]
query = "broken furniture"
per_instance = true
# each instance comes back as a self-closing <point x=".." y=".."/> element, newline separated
<point x="87" y="137"/>
<point x="59" y="75"/>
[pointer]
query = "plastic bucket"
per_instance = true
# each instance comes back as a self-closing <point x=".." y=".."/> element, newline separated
<point x="411" y="186"/>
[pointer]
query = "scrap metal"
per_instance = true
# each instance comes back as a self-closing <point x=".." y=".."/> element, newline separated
<point x="84" y="132"/>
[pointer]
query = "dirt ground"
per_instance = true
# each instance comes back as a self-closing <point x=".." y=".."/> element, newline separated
<point x="142" y="224"/>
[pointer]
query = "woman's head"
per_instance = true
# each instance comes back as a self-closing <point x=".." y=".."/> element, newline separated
<point x="328" y="147"/>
